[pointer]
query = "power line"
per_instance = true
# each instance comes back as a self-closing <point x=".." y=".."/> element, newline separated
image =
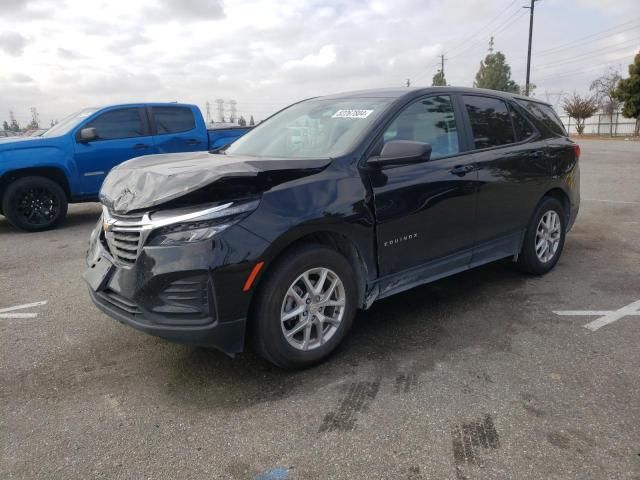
<point x="581" y="40"/>
<point x="581" y="57"/>
<point x="510" y="21"/>
<point x="484" y="27"/>
<point x="569" y="73"/>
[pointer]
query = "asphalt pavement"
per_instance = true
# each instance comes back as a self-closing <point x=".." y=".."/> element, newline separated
<point x="471" y="377"/>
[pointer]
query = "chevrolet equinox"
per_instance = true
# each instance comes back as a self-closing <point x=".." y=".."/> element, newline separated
<point x="325" y="207"/>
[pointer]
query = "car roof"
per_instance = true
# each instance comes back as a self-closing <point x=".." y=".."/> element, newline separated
<point x="418" y="91"/>
<point x="145" y="104"/>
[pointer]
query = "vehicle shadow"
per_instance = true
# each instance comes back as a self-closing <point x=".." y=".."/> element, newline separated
<point x="404" y="335"/>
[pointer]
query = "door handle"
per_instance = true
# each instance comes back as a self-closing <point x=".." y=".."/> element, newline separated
<point x="194" y="141"/>
<point x="140" y="146"/>
<point x="462" y="170"/>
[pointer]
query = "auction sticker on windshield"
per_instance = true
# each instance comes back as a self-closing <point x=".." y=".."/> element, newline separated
<point x="352" y="114"/>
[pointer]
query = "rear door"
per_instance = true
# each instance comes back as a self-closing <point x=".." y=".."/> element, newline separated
<point x="425" y="212"/>
<point x="123" y="133"/>
<point x="513" y="172"/>
<point x="176" y="130"/>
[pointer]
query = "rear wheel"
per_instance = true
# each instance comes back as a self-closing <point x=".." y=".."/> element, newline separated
<point x="34" y="204"/>
<point x="304" y="307"/>
<point x="544" y="238"/>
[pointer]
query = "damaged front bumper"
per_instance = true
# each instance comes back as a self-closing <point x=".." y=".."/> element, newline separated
<point x="191" y="293"/>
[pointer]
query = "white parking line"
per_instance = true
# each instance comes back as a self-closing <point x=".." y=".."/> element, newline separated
<point x="5" y="312"/>
<point x="606" y="316"/>
<point x="609" y="201"/>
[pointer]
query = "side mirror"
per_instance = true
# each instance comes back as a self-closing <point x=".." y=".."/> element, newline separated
<point x="87" y="134"/>
<point x="400" y="152"/>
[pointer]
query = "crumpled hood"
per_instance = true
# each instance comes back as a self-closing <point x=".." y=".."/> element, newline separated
<point x="145" y="182"/>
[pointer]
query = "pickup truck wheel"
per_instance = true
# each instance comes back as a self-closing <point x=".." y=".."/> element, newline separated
<point x="34" y="204"/>
<point x="544" y="239"/>
<point x="304" y="307"/>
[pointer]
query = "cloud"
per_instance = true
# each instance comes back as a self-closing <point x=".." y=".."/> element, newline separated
<point x="326" y="56"/>
<point x="66" y="54"/>
<point x="268" y="53"/>
<point x="12" y="43"/>
<point x="21" y="78"/>
<point x="194" y="10"/>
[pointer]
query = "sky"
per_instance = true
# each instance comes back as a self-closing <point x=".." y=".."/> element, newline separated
<point x="63" y="55"/>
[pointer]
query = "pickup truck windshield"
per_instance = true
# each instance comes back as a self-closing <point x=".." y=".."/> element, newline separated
<point x="69" y="122"/>
<point x="311" y="129"/>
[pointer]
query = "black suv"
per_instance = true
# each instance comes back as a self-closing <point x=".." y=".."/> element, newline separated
<point x="327" y="206"/>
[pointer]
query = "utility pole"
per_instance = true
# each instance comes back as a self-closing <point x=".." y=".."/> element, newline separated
<point x="531" y="8"/>
<point x="442" y="63"/>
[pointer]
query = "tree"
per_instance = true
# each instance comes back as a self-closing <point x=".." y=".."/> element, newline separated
<point x="5" y="125"/>
<point x="532" y="90"/>
<point x="439" y="79"/>
<point x="242" y="122"/>
<point x="495" y="74"/>
<point x="580" y="108"/>
<point x="628" y="92"/>
<point x="251" y="121"/>
<point x="604" y="88"/>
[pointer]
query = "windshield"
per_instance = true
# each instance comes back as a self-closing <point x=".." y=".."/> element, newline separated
<point x="66" y="124"/>
<point x="311" y="129"/>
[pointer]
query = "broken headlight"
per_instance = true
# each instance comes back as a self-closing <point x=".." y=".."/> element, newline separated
<point x="196" y="224"/>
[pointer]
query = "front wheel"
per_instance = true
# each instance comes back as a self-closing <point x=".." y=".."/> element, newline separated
<point x="34" y="204"/>
<point x="304" y="307"/>
<point x="544" y="239"/>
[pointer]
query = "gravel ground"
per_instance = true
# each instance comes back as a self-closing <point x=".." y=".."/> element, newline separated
<point x="471" y="377"/>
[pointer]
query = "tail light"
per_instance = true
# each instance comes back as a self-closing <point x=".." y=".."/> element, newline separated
<point x="576" y="150"/>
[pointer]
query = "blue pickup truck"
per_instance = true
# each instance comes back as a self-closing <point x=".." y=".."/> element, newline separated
<point x="39" y="176"/>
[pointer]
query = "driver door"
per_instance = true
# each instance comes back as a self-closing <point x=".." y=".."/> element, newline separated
<point x="123" y="133"/>
<point x="425" y="212"/>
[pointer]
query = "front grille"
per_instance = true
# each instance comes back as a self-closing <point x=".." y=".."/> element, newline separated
<point x="125" y="235"/>
<point x="124" y="245"/>
<point x="118" y="301"/>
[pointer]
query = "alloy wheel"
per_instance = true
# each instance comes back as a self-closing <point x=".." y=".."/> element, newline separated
<point x="548" y="235"/>
<point x="312" y="309"/>
<point x="37" y="205"/>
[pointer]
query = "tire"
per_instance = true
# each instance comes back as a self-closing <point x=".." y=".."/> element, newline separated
<point x="274" y="301"/>
<point x="541" y="260"/>
<point x="34" y="204"/>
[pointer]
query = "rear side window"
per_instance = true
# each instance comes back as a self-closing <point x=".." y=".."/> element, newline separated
<point x="546" y="115"/>
<point x="121" y="123"/>
<point x="173" y="119"/>
<point x="490" y="121"/>
<point x="430" y="120"/>
<point x="522" y="127"/>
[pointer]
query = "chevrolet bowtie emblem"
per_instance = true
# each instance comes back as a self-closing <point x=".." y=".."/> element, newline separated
<point x="106" y="225"/>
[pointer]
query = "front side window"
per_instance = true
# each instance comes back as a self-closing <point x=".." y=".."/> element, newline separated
<point x="121" y="123"/>
<point x="430" y="120"/>
<point x="490" y="121"/>
<point x="322" y="128"/>
<point x="173" y="119"/>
